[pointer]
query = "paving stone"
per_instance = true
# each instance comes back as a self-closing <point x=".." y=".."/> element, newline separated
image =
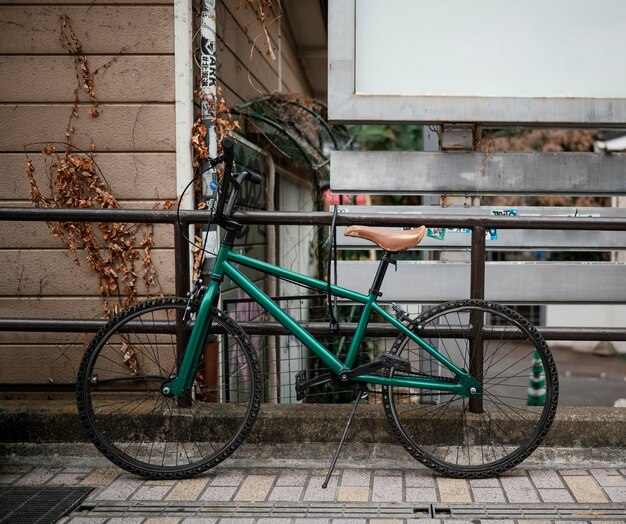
<point x="546" y="478"/>
<point x="419" y="479"/>
<point x="488" y="495"/>
<point x="349" y="521"/>
<point x="125" y="520"/>
<point x="573" y="472"/>
<point x="162" y="520"/>
<point x="608" y="477"/>
<point x="296" y="477"/>
<point x="188" y="489"/>
<point x="585" y="489"/>
<point x="616" y="494"/>
<point x="228" y="477"/>
<point x="323" y="472"/>
<point x="555" y="495"/>
<point x="15" y="468"/>
<point x="311" y="521"/>
<point x="519" y="489"/>
<point x="286" y="493"/>
<point x="315" y="492"/>
<point x="87" y="520"/>
<point x="387" y="489"/>
<point x="453" y="490"/>
<point x="160" y="482"/>
<point x="120" y="489"/>
<point x="484" y="483"/>
<point x="151" y="493"/>
<point x="237" y="521"/>
<point x="37" y="476"/>
<point x="273" y="521"/>
<point x="255" y="487"/>
<point x="353" y="494"/>
<point x="101" y="476"/>
<point x="197" y="520"/>
<point x="356" y="477"/>
<point x="387" y="472"/>
<point x="428" y="495"/>
<point x="9" y="478"/>
<point x="66" y="479"/>
<point x="385" y="521"/>
<point x="218" y="493"/>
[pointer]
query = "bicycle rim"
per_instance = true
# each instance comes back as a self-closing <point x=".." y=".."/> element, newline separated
<point x="147" y="433"/>
<point x="464" y="438"/>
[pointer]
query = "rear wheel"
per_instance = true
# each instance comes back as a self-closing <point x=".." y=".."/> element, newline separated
<point x="468" y="438"/>
<point x="138" y="428"/>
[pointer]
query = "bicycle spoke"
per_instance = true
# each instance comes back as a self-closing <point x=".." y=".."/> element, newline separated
<point x="503" y="430"/>
<point x="140" y="429"/>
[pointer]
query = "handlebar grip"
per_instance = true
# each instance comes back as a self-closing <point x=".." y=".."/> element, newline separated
<point x="228" y="148"/>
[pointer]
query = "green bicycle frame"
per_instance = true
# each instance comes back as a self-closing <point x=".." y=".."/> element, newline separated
<point x="225" y="265"/>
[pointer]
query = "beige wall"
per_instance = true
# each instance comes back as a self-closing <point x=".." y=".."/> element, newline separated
<point x="134" y="138"/>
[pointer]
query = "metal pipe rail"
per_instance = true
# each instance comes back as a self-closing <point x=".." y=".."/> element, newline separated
<point x="315" y="328"/>
<point x="184" y="218"/>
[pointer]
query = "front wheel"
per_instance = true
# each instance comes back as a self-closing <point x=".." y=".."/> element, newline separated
<point x="473" y="438"/>
<point x="147" y="433"/>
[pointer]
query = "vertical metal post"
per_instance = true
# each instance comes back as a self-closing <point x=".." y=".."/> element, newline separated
<point x="477" y="291"/>
<point x="208" y="86"/>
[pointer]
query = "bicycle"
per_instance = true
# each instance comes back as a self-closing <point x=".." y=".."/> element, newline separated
<point x="171" y="387"/>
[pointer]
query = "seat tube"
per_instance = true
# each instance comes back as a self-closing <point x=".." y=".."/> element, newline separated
<point x="380" y="273"/>
<point x="374" y="293"/>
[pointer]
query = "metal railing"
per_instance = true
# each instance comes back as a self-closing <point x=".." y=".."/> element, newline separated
<point x="477" y="224"/>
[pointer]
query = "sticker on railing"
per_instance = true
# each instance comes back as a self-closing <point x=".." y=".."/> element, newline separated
<point x="436" y="232"/>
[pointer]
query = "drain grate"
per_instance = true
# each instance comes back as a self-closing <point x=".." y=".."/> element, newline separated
<point x="38" y="505"/>
<point x="365" y="510"/>
<point x="530" y="511"/>
<point x="248" y="509"/>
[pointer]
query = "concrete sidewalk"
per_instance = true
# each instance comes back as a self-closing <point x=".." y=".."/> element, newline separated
<point x="247" y="491"/>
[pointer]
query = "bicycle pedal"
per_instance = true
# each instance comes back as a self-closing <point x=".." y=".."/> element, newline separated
<point x="394" y="361"/>
<point x="300" y="389"/>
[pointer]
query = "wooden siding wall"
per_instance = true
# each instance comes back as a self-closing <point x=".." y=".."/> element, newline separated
<point x="244" y="70"/>
<point x="134" y="139"/>
<point x="135" y="144"/>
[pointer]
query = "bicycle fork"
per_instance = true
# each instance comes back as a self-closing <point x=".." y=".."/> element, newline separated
<point x="185" y="376"/>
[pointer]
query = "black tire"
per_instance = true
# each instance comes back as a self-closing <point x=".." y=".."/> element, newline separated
<point x="447" y="433"/>
<point x="146" y="433"/>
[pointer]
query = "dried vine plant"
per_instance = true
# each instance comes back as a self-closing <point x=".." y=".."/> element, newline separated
<point x="112" y="250"/>
<point x="221" y="117"/>
<point x="261" y="9"/>
<point x="225" y="125"/>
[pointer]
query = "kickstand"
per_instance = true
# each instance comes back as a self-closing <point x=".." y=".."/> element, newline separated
<point x="361" y="393"/>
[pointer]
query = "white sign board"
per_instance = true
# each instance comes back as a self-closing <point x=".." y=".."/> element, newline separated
<point x="560" y="62"/>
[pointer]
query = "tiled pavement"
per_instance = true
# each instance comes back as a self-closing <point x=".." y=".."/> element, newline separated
<point x="350" y="487"/>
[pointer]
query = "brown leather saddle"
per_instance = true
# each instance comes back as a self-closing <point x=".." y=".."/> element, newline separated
<point x="393" y="240"/>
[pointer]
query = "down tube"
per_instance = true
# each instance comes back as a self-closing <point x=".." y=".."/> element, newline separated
<point x="427" y="347"/>
<point x="289" y="323"/>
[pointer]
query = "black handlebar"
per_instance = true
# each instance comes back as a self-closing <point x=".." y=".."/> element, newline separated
<point x="254" y="178"/>
<point x="228" y="157"/>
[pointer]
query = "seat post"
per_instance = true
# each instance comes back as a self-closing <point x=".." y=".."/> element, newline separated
<point x="380" y="273"/>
